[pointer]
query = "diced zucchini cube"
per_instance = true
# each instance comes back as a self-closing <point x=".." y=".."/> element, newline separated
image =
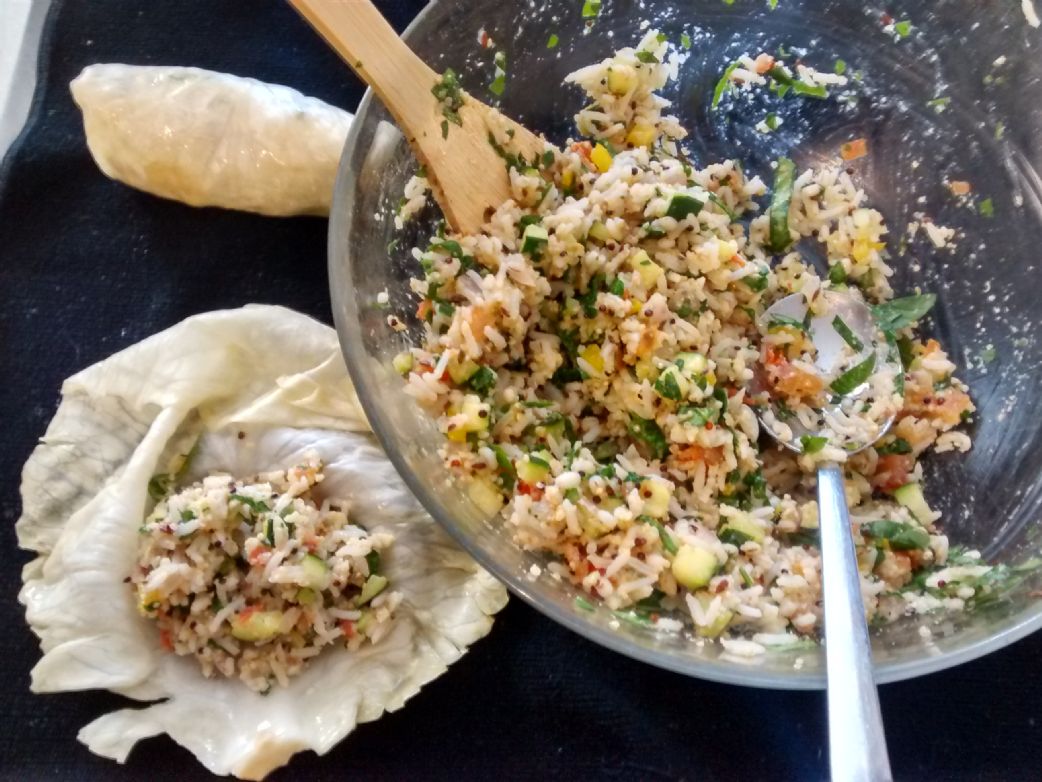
<point x="373" y="586"/>
<point x="534" y="239"/>
<point x="599" y="232"/>
<point x="648" y="272"/>
<point x="621" y="79"/>
<point x="256" y="625"/>
<point x="316" y="572"/>
<point x="486" y="495"/>
<point x="911" y="496"/>
<point x="460" y="371"/>
<point x="740" y="529"/>
<point x="656" y="496"/>
<point x="694" y="566"/>
<point x="641" y="135"/>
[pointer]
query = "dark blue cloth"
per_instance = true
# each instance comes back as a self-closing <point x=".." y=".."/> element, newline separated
<point x="88" y="266"/>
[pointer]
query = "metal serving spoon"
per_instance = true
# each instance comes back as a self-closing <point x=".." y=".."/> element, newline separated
<point x="857" y="743"/>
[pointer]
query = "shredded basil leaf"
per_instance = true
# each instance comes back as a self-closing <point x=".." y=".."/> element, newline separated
<point x="649" y="433"/>
<point x="900" y="536"/>
<point x="781" y="198"/>
<point x="900" y="313"/>
<point x="813" y="443"/>
<point x="854" y="377"/>
<point x="848" y="336"/>
<point x="723" y="84"/>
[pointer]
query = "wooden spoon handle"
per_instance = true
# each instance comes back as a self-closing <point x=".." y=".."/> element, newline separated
<point x="366" y="42"/>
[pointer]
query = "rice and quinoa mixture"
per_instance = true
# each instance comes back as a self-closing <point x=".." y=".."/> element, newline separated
<point x="591" y="358"/>
<point x="253" y="578"/>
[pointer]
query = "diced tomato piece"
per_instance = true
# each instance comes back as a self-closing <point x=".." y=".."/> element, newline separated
<point x="852" y="150"/>
<point x="697" y="453"/>
<point x="347" y="627"/>
<point x="892" y="471"/>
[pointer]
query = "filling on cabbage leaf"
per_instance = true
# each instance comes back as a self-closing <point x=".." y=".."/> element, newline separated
<point x="277" y="378"/>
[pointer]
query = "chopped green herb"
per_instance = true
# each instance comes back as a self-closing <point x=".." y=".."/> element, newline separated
<point x="723" y="84"/>
<point x="840" y="67"/>
<point x="681" y="205"/>
<point x="939" y="104"/>
<point x="898" y="446"/>
<point x="903" y="28"/>
<point x="848" y="336"/>
<point x="771" y="121"/>
<point x="685" y="40"/>
<point x="837" y="274"/>
<point x="746" y="578"/>
<point x="449" y="94"/>
<point x="854" y="377"/>
<point x="159" y="486"/>
<point x="552" y="41"/>
<point x="583" y="604"/>
<point x="649" y="433"/>
<point x="772" y="4"/>
<point x="900" y="536"/>
<point x="810" y="90"/>
<point x="617" y="287"/>
<point x="784" y="322"/>
<point x="756" y="282"/>
<point x="187" y="515"/>
<point x="723" y="207"/>
<point x="372" y="559"/>
<point x="646" y="57"/>
<point x="733" y="536"/>
<point x="989" y="354"/>
<point x="905" y="349"/>
<point x="900" y="313"/>
<point x="548" y="158"/>
<point x="667" y="386"/>
<point x="813" y="443"/>
<point x="1000" y="129"/>
<point x="498" y="84"/>
<point x="591" y="8"/>
<point x="589" y="298"/>
<point x="986" y="208"/>
<point x="668" y="543"/>
<point x="482" y="381"/>
<point x="507" y="473"/>
<point x="449" y="246"/>
<point x="781" y="198"/>
<point x="255" y="505"/>
<point x="538" y="403"/>
<point x="446" y="309"/>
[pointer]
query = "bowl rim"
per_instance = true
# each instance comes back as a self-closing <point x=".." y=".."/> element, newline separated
<point x="346" y="319"/>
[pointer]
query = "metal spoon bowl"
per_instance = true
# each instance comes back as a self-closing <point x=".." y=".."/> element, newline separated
<point x="857" y="742"/>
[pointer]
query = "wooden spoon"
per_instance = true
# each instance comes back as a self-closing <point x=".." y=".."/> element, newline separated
<point x="468" y="175"/>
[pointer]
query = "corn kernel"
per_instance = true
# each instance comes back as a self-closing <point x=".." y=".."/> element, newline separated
<point x="601" y="158"/>
<point x="591" y="354"/>
<point x="641" y="136"/>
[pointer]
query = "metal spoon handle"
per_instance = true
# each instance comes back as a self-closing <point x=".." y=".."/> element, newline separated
<point x="857" y="744"/>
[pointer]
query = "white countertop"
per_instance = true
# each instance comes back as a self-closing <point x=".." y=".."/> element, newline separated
<point x="21" y="22"/>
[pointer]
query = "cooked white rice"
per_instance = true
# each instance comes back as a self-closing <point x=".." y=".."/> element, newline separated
<point x="253" y="579"/>
<point x="590" y="357"/>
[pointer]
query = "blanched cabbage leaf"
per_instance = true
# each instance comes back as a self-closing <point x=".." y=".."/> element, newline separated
<point x="212" y="139"/>
<point x="245" y="391"/>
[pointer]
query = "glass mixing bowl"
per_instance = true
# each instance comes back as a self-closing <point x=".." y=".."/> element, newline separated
<point x="957" y="95"/>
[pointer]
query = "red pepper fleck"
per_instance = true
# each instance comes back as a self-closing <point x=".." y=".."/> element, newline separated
<point x="347" y="627"/>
